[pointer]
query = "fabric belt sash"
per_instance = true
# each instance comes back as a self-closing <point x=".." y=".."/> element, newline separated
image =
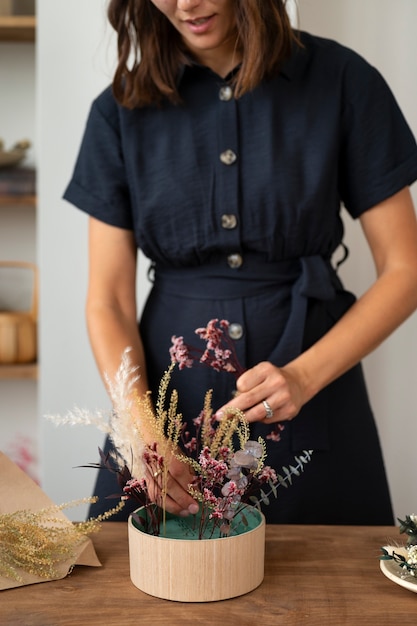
<point x="307" y="277"/>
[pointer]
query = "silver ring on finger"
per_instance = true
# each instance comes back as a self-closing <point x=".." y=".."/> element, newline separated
<point x="268" y="410"/>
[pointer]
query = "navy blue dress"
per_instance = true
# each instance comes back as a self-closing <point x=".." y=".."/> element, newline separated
<point x="237" y="204"/>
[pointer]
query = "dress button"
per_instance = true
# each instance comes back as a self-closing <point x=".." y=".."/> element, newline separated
<point x="234" y="261"/>
<point x="229" y="221"/>
<point x="228" y="157"/>
<point x="226" y="93"/>
<point x="235" y="331"/>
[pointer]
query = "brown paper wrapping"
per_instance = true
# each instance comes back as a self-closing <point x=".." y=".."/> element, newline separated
<point x="19" y="492"/>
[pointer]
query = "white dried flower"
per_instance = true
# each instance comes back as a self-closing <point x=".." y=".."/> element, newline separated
<point x="119" y="424"/>
<point x="412" y="556"/>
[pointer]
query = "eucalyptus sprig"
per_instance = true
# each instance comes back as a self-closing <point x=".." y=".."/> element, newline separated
<point x="409" y="527"/>
<point x="407" y="563"/>
<point x="284" y="479"/>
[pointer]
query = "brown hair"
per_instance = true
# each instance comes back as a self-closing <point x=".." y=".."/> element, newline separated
<point x="151" y="52"/>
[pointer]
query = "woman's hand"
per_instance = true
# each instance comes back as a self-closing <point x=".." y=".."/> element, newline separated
<point x="178" y="478"/>
<point x="266" y="389"/>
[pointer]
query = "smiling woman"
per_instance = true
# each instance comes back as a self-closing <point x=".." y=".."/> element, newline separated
<point x="225" y="152"/>
<point x="208" y="29"/>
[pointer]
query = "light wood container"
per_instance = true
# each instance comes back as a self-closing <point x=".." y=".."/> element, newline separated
<point x="204" y="570"/>
<point x="18" y="329"/>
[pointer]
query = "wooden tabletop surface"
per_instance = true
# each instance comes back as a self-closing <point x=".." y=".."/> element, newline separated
<point x="314" y="575"/>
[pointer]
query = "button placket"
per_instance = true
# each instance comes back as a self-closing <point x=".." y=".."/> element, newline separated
<point x="227" y="172"/>
<point x="235" y="331"/>
<point x="228" y="157"/>
<point x="228" y="221"/>
<point x="225" y="93"/>
<point x="234" y="260"/>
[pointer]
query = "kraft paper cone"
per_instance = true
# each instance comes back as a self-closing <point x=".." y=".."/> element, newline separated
<point x="19" y="492"/>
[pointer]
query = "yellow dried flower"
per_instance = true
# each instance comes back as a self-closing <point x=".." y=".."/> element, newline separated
<point x="36" y="542"/>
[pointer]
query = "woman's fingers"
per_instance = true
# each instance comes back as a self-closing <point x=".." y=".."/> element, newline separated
<point x="173" y="496"/>
<point x="266" y="393"/>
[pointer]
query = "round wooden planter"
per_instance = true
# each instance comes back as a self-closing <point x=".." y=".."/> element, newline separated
<point x="193" y="570"/>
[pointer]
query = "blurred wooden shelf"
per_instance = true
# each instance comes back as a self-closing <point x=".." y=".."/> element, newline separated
<point x="29" y="371"/>
<point x="17" y="184"/>
<point x="18" y="200"/>
<point x="17" y="28"/>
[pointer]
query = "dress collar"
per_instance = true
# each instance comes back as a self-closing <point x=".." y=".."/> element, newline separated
<point x="289" y="68"/>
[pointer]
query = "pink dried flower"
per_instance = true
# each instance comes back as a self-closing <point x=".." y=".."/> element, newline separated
<point x="209" y="497"/>
<point x="191" y="445"/>
<point x="231" y="489"/>
<point x="197" y="421"/>
<point x="224" y="453"/>
<point x="179" y="353"/>
<point x="275" y="434"/>
<point x="267" y="474"/>
<point x="214" y="470"/>
<point x="219" y="354"/>
<point x="134" y="484"/>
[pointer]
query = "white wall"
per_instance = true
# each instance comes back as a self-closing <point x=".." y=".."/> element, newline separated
<point x="73" y="55"/>
<point x="75" y="52"/>
<point x="384" y="33"/>
<point x="75" y="60"/>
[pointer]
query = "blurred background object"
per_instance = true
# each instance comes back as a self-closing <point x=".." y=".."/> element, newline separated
<point x="17" y="7"/>
<point x="18" y="324"/>
<point x="15" y="154"/>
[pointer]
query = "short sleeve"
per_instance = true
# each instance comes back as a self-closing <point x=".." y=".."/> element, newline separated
<point x="378" y="150"/>
<point x="98" y="185"/>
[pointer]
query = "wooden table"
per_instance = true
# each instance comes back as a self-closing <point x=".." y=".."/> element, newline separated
<point x="314" y="575"/>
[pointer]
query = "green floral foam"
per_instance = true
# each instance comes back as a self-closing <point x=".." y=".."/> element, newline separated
<point x="188" y="527"/>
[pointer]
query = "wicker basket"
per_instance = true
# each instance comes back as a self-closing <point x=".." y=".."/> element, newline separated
<point x="18" y="329"/>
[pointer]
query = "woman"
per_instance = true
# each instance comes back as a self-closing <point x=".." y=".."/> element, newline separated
<point x="225" y="153"/>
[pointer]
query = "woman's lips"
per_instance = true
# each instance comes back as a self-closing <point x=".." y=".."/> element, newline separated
<point x="200" y="25"/>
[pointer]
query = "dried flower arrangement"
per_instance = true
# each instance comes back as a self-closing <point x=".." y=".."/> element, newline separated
<point x="37" y="542"/>
<point x="407" y="563"/>
<point x="226" y="481"/>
